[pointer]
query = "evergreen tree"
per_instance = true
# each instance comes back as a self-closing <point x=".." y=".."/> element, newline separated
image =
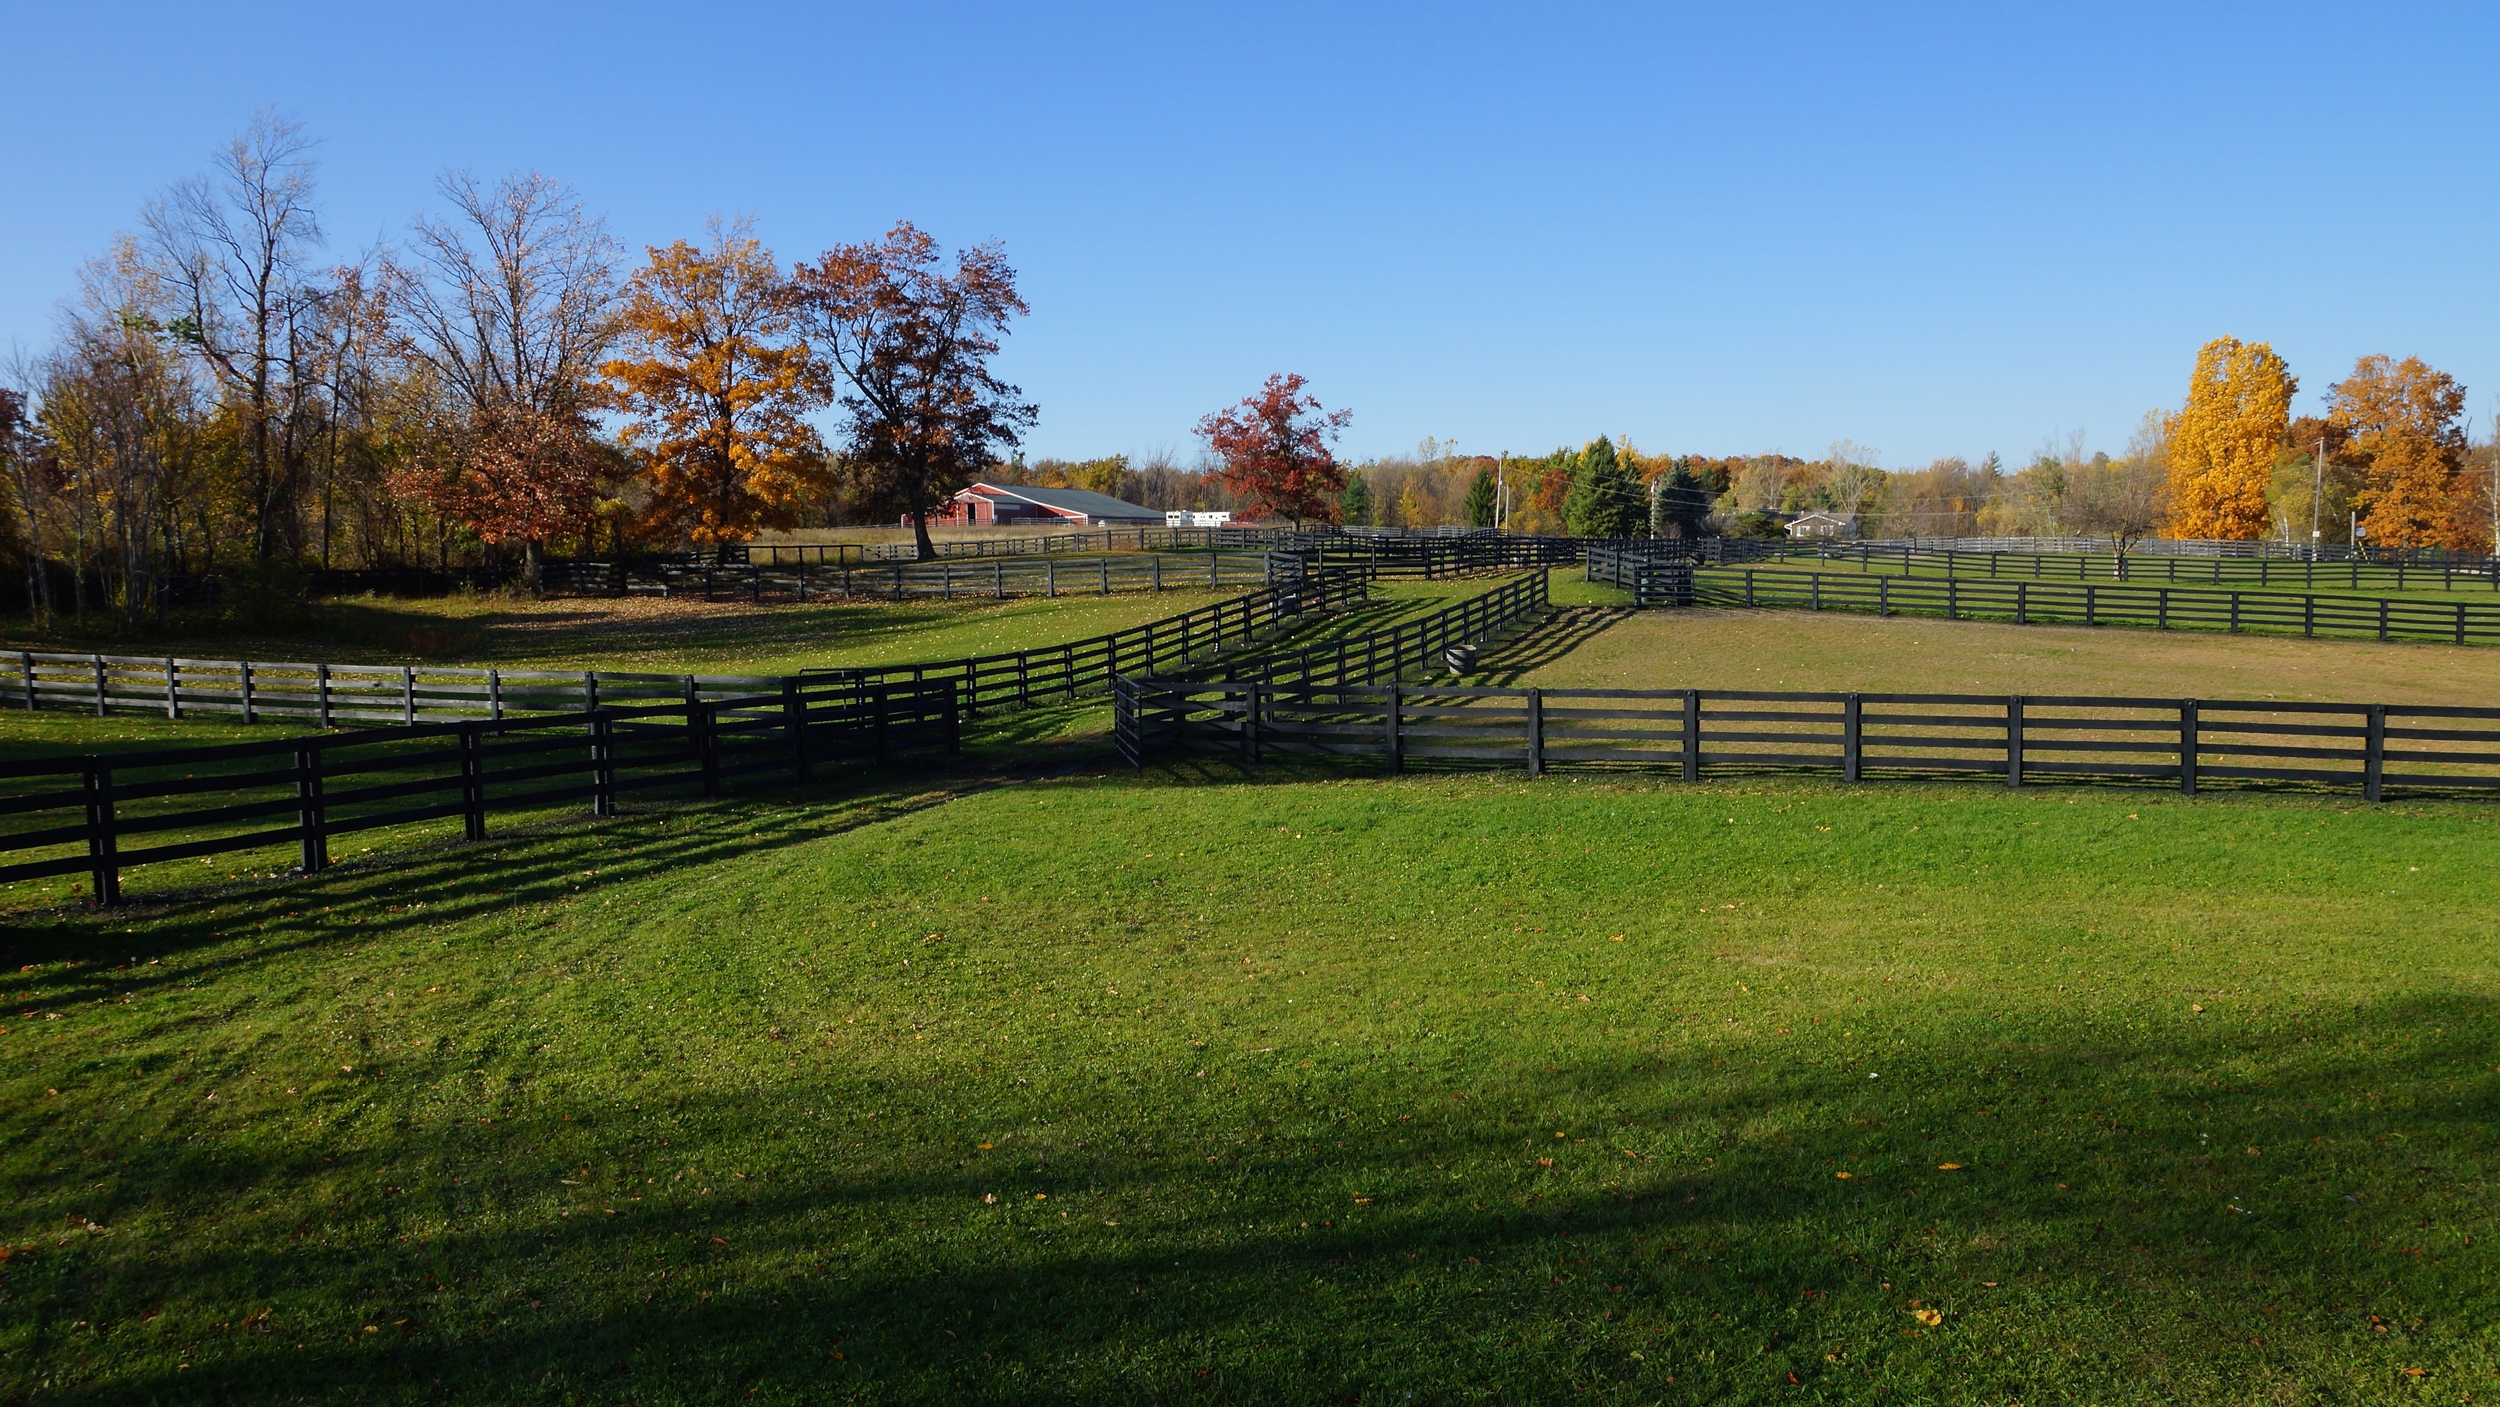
<point x="1679" y="502"/>
<point x="1481" y="500"/>
<point x="1605" y="499"/>
<point x="1354" y="506"/>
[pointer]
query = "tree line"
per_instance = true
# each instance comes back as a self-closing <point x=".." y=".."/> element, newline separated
<point x="500" y="382"/>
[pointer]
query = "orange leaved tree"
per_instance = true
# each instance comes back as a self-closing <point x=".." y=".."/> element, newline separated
<point x="1273" y="449"/>
<point x="2222" y="444"/>
<point x="2402" y="419"/>
<point x="716" y="388"/>
<point x="913" y="342"/>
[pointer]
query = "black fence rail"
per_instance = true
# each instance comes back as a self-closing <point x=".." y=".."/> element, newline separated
<point x="1433" y="557"/>
<point x="1443" y="641"/>
<point x="2396" y="572"/>
<point x="1137" y="539"/>
<point x="327" y="694"/>
<point x="107" y="813"/>
<point x="1084" y="667"/>
<point x="1658" y="572"/>
<point x="801" y="580"/>
<point x="2192" y="548"/>
<point x="2374" y="749"/>
<point x="2049" y="602"/>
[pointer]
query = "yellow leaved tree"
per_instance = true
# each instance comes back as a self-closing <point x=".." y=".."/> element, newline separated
<point x="716" y="385"/>
<point x="2222" y="444"/>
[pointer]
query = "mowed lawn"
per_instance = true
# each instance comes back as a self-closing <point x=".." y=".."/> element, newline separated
<point x="1285" y="1087"/>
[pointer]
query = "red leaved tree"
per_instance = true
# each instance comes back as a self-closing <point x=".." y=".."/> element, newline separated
<point x="914" y="344"/>
<point x="1274" y="449"/>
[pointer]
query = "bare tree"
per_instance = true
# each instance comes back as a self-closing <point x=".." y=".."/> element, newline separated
<point x="513" y="300"/>
<point x="230" y="249"/>
<point x="509" y="304"/>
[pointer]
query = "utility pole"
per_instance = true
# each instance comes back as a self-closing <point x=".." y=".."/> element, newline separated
<point x="2317" y="492"/>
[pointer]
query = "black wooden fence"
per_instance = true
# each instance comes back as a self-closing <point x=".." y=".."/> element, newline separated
<point x="62" y="818"/>
<point x="2394" y="571"/>
<point x="325" y="694"/>
<point x="2048" y="602"/>
<point x="1082" y="667"/>
<point x="799" y="579"/>
<point x="1443" y="641"/>
<point x="1693" y="733"/>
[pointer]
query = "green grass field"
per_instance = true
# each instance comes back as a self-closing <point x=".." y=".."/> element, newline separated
<point x="1292" y="1087"/>
<point x="1037" y="1078"/>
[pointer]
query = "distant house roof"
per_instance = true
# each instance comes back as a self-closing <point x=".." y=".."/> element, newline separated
<point x="1822" y="524"/>
<point x="1076" y="502"/>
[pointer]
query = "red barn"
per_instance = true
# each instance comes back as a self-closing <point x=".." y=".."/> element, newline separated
<point x="984" y="505"/>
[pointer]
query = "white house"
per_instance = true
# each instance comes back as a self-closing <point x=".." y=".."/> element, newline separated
<point x="1820" y="524"/>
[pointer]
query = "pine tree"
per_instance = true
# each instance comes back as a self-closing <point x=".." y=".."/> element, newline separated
<point x="1354" y="506"/>
<point x="1605" y="499"/>
<point x="1481" y="500"/>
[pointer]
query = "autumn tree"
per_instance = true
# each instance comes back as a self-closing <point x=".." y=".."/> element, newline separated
<point x="2222" y="443"/>
<point x="912" y="343"/>
<point x="508" y="305"/>
<point x="716" y="385"/>
<point x="2401" y="418"/>
<point x="1274" y="450"/>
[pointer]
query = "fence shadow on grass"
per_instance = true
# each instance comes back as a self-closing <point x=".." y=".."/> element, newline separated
<point x="2111" y="1236"/>
<point x="1546" y="643"/>
<point x="533" y="858"/>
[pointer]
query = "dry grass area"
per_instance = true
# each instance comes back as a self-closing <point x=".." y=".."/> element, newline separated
<point x="1710" y="649"/>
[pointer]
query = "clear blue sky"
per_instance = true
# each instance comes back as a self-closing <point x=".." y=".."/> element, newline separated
<point x="1720" y="228"/>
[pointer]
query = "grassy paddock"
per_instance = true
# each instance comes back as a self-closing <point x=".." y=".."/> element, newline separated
<point x="2332" y="579"/>
<point x="643" y="633"/>
<point x="1804" y="650"/>
<point x="1287" y="1087"/>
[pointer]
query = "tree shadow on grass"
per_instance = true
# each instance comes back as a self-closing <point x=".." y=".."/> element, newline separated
<point x="1333" y="1235"/>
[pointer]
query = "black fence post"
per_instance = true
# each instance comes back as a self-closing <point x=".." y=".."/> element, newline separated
<point x="473" y="781"/>
<point x="2187" y="746"/>
<point x="2374" y="753"/>
<point x="309" y="812"/>
<point x="708" y="730"/>
<point x="954" y="724"/>
<point x="1852" y="738"/>
<point x="1536" y="732"/>
<point x="102" y="843"/>
<point x="602" y="764"/>
<point x="794" y="722"/>
<point x="2013" y="740"/>
<point x="1692" y="735"/>
<point x="881" y="704"/>
<point x="1397" y="739"/>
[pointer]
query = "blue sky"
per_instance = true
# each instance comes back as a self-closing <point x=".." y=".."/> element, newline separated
<point x="1723" y="229"/>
